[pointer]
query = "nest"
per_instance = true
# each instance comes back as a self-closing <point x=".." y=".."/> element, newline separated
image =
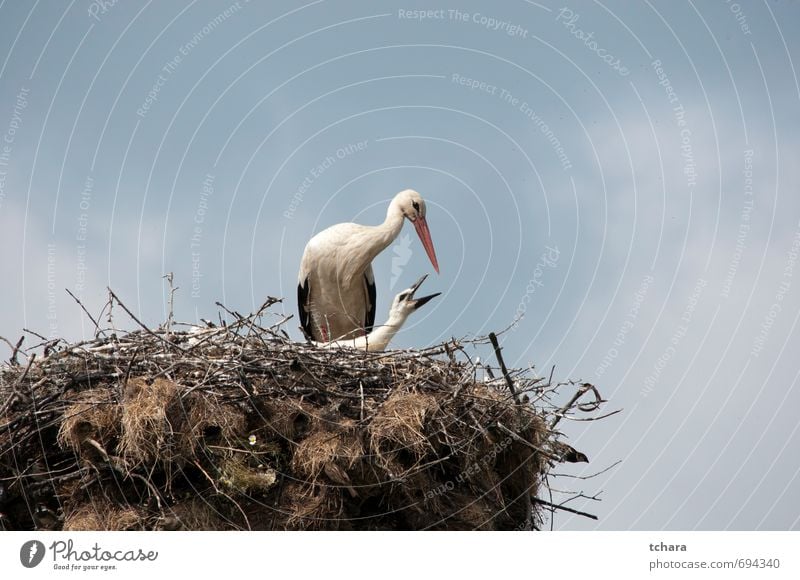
<point x="237" y="427"/>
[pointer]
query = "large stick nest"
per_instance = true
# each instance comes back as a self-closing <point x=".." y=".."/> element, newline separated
<point x="237" y="427"/>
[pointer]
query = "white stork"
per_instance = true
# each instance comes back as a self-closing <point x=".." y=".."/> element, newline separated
<point x="336" y="286"/>
<point x="402" y="307"/>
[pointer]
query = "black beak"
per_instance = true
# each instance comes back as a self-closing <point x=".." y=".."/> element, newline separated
<point x="417" y="284"/>
<point x="419" y="302"/>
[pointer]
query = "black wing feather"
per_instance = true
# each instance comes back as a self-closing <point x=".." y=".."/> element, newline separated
<point x="369" y="323"/>
<point x="302" y="307"/>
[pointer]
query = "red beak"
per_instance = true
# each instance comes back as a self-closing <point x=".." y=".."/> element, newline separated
<point x="421" y="225"/>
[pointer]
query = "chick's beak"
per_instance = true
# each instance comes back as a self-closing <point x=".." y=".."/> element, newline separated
<point x="419" y="302"/>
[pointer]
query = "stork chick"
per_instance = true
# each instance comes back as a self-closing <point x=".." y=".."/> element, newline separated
<point x="402" y="307"/>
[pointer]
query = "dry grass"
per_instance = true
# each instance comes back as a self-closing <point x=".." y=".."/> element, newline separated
<point x="100" y="514"/>
<point x="146" y="428"/>
<point x="92" y="414"/>
<point x="399" y="424"/>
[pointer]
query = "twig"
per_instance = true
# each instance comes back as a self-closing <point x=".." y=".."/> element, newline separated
<point x="100" y="449"/>
<point x="233" y="313"/>
<point x="585" y="419"/>
<point x="75" y="298"/>
<point x="140" y="323"/>
<point x="170" y="277"/>
<point x="581" y="495"/>
<point x="129" y="369"/>
<point x="281" y="322"/>
<point x="525" y="442"/>
<point x="25" y="373"/>
<point x="601" y="472"/>
<point x="513" y="390"/>
<point x="497" y="349"/>
<point x="17" y="394"/>
<point x="36" y="334"/>
<point x="578" y="394"/>
<point x="361" y="393"/>
<point x="12" y="360"/>
<point x="153" y="491"/>
<point x="556" y="506"/>
<point x="110" y="304"/>
<point x="423" y="467"/>
<point x="449" y="353"/>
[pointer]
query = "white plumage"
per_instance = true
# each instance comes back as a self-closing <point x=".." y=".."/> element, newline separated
<point x="336" y="286"/>
<point x="402" y="307"/>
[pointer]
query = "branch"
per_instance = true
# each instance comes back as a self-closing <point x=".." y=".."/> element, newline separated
<point x="556" y="506"/>
<point x="96" y="326"/>
<point x="578" y="394"/>
<point x="497" y="349"/>
<point x="140" y="323"/>
<point x="527" y="443"/>
<point x="12" y="360"/>
<point x="601" y="472"/>
<point x="170" y="278"/>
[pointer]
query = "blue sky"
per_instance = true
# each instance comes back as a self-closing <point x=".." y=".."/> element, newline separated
<point x="625" y="174"/>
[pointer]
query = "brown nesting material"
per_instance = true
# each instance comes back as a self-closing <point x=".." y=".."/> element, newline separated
<point x="237" y="427"/>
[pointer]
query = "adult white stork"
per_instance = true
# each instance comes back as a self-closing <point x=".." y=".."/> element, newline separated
<point x="402" y="307"/>
<point x="336" y="286"/>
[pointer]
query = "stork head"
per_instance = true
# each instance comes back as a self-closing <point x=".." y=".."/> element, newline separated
<point x="405" y="303"/>
<point x="411" y="204"/>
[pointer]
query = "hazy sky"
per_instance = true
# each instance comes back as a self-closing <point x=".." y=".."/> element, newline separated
<point x="624" y="174"/>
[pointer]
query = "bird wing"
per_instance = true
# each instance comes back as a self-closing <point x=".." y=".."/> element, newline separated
<point x="369" y="283"/>
<point x="302" y="307"/>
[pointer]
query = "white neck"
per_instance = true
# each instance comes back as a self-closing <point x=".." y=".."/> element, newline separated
<point x="388" y="231"/>
<point x="378" y="339"/>
<point x="369" y="241"/>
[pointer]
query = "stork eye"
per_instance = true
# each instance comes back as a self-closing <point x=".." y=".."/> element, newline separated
<point x="403" y="296"/>
<point x="416" y="206"/>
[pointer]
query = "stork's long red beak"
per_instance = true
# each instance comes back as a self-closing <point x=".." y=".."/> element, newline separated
<point x="421" y="225"/>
